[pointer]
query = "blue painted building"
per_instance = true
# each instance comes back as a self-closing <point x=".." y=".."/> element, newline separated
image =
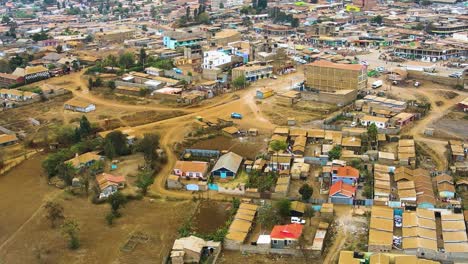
<point x="174" y="40"/>
<point x="227" y="166"/>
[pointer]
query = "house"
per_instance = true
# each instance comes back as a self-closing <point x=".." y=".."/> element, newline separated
<point x="154" y="71"/>
<point x="191" y="249"/>
<point x="215" y="59"/>
<point x="300" y="170"/>
<point x="342" y="193"/>
<point x="463" y="105"/>
<point x="176" y="39"/>
<point x="31" y="74"/>
<point x="288" y="98"/>
<point x="403" y="119"/>
<point x="18" y="95"/>
<point x="240" y="226"/>
<point x="380" y="122"/>
<point x="351" y="143"/>
<point x="84" y="160"/>
<point x="109" y="184"/>
<point x="297" y="208"/>
<point x="424" y="189"/>
<point x="285" y="236"/>
<point x="252" y="73"/>
<point x="381" y="229"/>
<point x="282" y="186"/>
<point x="445" y="186"/>
<point x="347" y="174"/>
<point x="457" y="150"/>
<point x="191" y="169"/>
<point x="230" y="131"/>
<point x="6" y="139"/>
<point x="263" y="93"/>
<point x="79" y="106"/>
<point x="299" y="145"/>
<point x="279" y="163"/>
<point x="9" y="79"/>
<point x="227" y="166"/>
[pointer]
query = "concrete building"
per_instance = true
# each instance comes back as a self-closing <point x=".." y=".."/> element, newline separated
<point x="329" y="77"/>
<point x="252" y="73"/>
<point x="176" y="39"/>
<point x="213" y="59"/>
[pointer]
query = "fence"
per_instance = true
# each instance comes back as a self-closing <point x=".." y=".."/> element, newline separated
<point x="129" y="84"/>
<point x="204" y="153"/>
<point x="267" y="250"/>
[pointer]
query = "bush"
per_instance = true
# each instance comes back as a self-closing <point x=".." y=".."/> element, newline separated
<point x="110" y="218"/>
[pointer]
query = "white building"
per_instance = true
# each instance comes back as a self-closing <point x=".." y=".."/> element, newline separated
<point x="216" y="4"/>
<point x="213" y="59"/>
<point x="79" y="106"/>
<point x="380" y="122"/>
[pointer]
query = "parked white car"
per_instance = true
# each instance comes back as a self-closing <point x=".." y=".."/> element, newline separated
<point x="297" y="220"/>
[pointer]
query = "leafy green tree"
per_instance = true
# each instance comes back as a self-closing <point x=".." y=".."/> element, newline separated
<point x="221" y="5"/>
<point x="59" y="48"/>
<point x="148" y="145"/>
<point x="66" y="172"/>
<point x="70" y="229"/>
<point x="377" y="19"/>
<point x="53" y="161"/>
<point x="90" y="83"/>
<point x="334" y="153"/>
<point x="54" y="213"/>
<point x="277" y="146"/>
<point x="372" y="132"/>
<point x="267" y="216"/>
<point x="284" y="207"/>
<point x="126" y="60"/>
<point x="65" y="135"/>
<point x="118" y="141"/>
<point x="40" y="36"/>
<point x="85" y="127"/>
<point x="109" y="150"/>
<point x="116" y="201"/>
<point x="306" y="191"/>
<point x="239" y="82"/>
<point x="144" y="180"/>
<point x="111" y="85"/>
<point x="142" y="58"/>
<point x="203" y="18"/>
<point x="5" y="66"/>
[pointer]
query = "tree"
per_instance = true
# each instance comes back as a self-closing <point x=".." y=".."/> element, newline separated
<point x="153" y="11"/>
<point x="116" y="201"/>
<point x="377" y="19"/>
<point x="111" y="84"/>
<point x="58" y="5"/>
<point x="90" y="83"/>
<point x="142" y="58"/>
<point x="221" y="5"/>
<point x="239" y="82"/>
<point x="98" y="82"/>
<point x="4" y="66"/>
<point x="284" y="207"/>
<point x="118" y="141"/>
<point x="334" y="153"/>
<point x="144" y="28"/>
<point x="309" y="213"/>
<point x="187" y="13"/>
<point x="195" y="13"/>
<point x="148" y="146"/>
<point x="144" y="180"/>
<point x="203" y="18"/>
<point x="53" y="161"/>
<point x="267" y="216"/>
<point x="59" y="48"/>
<point x="89" y="39"/>
<point x="372" y="132"/>
<point x="109" y="150"/>
<point x="70" y="230"/>
<point x="277" y="146"/>
<point x="126" y="60"/>
<point x="306" y="191"/>
<point x="54" y="213"/>
<point x="66" y="172"/>
<point x="85" y="127"/>
<point x="295" y="23"/>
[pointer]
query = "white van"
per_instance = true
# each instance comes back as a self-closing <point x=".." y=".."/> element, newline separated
<point x="377" y="84"/>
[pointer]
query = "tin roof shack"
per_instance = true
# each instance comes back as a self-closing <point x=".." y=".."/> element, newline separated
<point x="288" y="98"/>
<point x="381" y="229"/>
<point x="320" y="237"/>
<point x="445" y="186"/>
<point x="191" y="249"/>
<point x="406" y="191"/>
<point x="457" y="150"/>
<point x="240" y="226"/>
<point x="419" y="232"/>
<point x="382" y="186"/>
<point x="300" y="170"/>
<point x="424" y="190"/>
<point x="6" y="139"/>
<point x="352" y="143"/>
<point x="454" y="236"/>
<point x="327" y="210"/>
<point x="406" y="152"/>
<point x="282" y="186"/>
<point x="403" y="174"/>
<point x="79" y="106"/>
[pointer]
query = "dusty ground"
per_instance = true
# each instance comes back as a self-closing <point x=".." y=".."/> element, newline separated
<point x="100" y="243"/>
<point x="235" y="257"/>
<point x="453" y="124"/>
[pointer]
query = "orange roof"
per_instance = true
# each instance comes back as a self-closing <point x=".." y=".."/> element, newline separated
<point x="292" y="231"/>
<point x="328" y="64"/>
<point x="343" y="189"/>
<point x="346" y="171"/>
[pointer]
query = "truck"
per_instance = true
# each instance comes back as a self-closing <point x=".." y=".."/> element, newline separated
<point x="377" y="84"/>
<point x="236" y="115"/>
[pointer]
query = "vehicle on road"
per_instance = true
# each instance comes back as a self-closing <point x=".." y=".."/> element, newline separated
<point x="456" y="75"/>
<point x="274" y="77"/>
<point x="417" y="84"/>
<point x="297" y="220"/>
<point x="377" y="84"/>
<point x="236" y="115"/>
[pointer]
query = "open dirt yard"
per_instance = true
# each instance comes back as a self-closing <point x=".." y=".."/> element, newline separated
<point x="236" y="257"/>
<point x="454" y="124"/>
<point x="37" y="242"/>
